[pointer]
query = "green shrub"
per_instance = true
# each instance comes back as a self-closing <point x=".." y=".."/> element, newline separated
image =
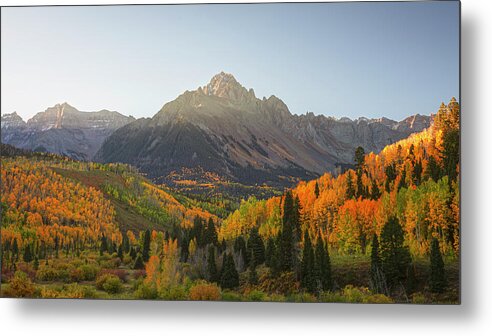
<point x="49" y="293"/>
<point x="113" y="285"/>
<point x="332" y="297"/>
<point x="109" y="283"/>
<point x="46" y="273"/>
<point x="354" y="295"/>
<point x="72" y="291"/>
<point x="377" y="298"/>
<point x="256" y="295"/>
<point x="127" y="259"/>
<point x="110" y="263"/>
<point x="173" y="293"/>
<point x="76" y="262"/>
<point x="146" y="291"/>
<point x="230" y="296"/>
<point x="89" y="272"/>
<point x="419" y="298"/>
<point x="301" y="297"/>
<point x="60" y="272"/>
<point x="277" y="298"/>
<point x="20" y="286"/>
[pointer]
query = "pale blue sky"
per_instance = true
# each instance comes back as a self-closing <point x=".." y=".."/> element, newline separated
<point x="338" y="59"/>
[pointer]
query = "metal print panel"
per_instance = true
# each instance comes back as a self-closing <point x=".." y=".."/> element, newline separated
<point x="303" y="152"/>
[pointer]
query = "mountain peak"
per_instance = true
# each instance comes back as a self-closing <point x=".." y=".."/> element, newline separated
<point x="224" y="85"/>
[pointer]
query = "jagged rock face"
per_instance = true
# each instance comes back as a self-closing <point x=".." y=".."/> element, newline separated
<point x="223" y="128"/>
<point x="62" y="129"/>
<point x="12" y="121"/>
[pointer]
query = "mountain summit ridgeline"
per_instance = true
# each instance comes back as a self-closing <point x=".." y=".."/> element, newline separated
<point x="224" y="129"/>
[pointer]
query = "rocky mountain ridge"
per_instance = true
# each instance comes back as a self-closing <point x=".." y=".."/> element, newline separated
<point x="62" y="129"/>
<point x="224" y="128"/>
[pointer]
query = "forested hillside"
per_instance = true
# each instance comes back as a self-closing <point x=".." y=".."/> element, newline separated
<point x="386" y="231"/>
<point x="415" y="179"/>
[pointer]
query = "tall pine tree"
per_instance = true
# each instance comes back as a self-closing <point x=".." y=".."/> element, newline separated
<point x="287" y="234"/>
<point x="323" y="265"/>
<point x="210" y="236"/>
<point x="378" y="283"/>
<point x="308" y="276"/>
<point x="230" y="277"/>
<point x="211" y="265"/>
<point x="146" y="246"/>
<point x="104" y="245"/>
<point x="256" y="248"/>
<point x="395" y="257"/>
<point x="350" y="191"/>
<point x="437" y="281"/>
<point x="269" y="252"/>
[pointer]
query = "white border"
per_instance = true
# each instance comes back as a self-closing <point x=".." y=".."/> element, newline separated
<point x="473" y="317"/>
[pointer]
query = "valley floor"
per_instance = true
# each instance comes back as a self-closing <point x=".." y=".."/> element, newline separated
<point x="95" y="276"/>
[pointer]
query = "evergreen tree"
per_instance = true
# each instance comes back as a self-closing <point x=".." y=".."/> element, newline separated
<point x="103" y="247"/>
<point x="391" y="174"/>
<point x="437" y="275"/>
<point x="359" y="158"/>
<point x="287" y="234"/>
<point x="276" y="262"/>
<point x="210" y="236"/>
<point x="224" y="264"/>
<point x="120" y="251"/>
<point x="269" y="252"/>
<point x="323" y="266"/>
<point x="375" y="193"/>
<point x="15" y="250"/>
<point x="36" y="263"/>
<point x="451" y="154"/>
<point x="146" y="246"/>
<point x="125" y="243"/>
<point x="316" y="189"/>
<point x="433" y="169"/>
<point x="403" y="182"/>
<point x="297" y="221"/>
<point x="411" y="155"/>
<point x="395" y="257"/>
<point x="139" y="263"/>
<point x="253" y="276"/>
<point x="133" y="253"/>
<point x="411" y="284"/>
<point x="308" y="278"/>
<point x="359" y="168"/>
<point x="211" y="265"/>
<point x="223" y="245"/>
<point x="184" y="250"/>
<point x="110" y="247"/>
<point x="197" y="231"/>
<point x="256" y="248"/>
<point x="350" y="192"/>
<point x="230" y="277"/>
<point x="378" y="283"/>
<point x="27" y="257"/>
<point x="240" y="249"/>
<point x="360" y="187"/>
<point x="417" y="173"/>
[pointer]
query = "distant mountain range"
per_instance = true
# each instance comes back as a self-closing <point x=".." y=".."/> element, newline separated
<point x="219" y="131"/>
<point x="223" y="129"/>
<point x="62" y="129"/>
